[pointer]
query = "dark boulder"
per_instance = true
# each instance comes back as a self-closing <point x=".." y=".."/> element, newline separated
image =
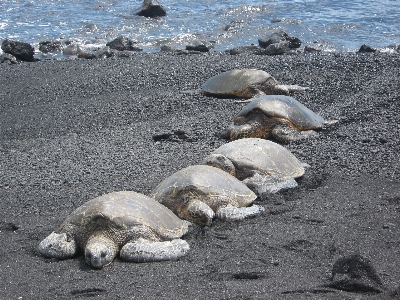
<point x="276" y="49"/>
<point x="86" y="55"/>
<point x="122" y="43"/>
<point x="105" y="52"/>
<point x="394" y="47"/>
<point x="233" y="26"/>
<point x="90" y="28"/>
<point x="151" y="9"/>
<point x="72" y="49"/>
<point x="200" y="46"/>
<point x="312" y="49"/>
<point x="366" y="49"/>
<point x="279" y="37"/>
<point x="22" y="51"/>
<point x="253" y="49"/>
<point x="166" y="48"/>
<point x="50" y="46"/>
<point x="8" y="58"/>
<point x="122" y="54"/>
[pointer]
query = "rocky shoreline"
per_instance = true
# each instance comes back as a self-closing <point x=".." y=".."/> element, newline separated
<point x="277" y="43"/>
<point x="72" y="130"/>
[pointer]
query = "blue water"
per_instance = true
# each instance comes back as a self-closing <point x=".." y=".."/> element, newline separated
<point x="335" y="25"/>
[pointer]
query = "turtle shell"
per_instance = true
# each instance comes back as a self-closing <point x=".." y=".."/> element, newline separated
<point x="263" y="156"/>
<point x="284" y="107"/>
<point x="208" y="184"/>
<point x="126" y="210"/>
<point x="235" y="83"/>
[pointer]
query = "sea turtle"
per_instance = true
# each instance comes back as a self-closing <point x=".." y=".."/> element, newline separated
<point x="281" y="117"/>
<point x="264" y="166"/>
<point x="246" y="83"/>
<point x="136" y="226"/>
<point x="198" y="193"/>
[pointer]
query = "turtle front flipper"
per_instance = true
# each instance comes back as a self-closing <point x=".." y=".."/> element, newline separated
<point x="58" y="245"/>
<point x="261" y="184"/>
<point x="231" y="213"/>
<point x="144" y="250"/>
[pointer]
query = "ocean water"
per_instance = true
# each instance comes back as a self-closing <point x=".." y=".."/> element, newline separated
<point x="334" y="25"/>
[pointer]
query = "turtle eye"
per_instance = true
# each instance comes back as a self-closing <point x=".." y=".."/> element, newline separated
<point x="103" y="254"/>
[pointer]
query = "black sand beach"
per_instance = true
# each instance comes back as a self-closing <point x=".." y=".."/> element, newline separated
<point x="76" y="129"/>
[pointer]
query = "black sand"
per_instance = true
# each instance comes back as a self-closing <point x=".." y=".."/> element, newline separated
<point x="74" y="130"/>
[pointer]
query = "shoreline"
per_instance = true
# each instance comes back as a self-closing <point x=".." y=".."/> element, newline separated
<point x="275" y="44"/>
<point x="72" y="130"/>
<point x="102" y="51"/>
<point x="234" y="23"/>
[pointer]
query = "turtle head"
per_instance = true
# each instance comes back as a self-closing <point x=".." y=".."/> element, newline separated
<point x="57" y="245"/>
<point x="221" y="162"/>
<point x="100" y="251"/>
<point x="199" y="213"/>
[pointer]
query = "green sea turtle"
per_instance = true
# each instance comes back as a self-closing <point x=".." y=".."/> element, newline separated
<point x="199" y="193"/>
<point x="281" y="117"/>
<point x="136" y="226"/>
<point x="264" y="166"/>
<point x="246" y="83"/>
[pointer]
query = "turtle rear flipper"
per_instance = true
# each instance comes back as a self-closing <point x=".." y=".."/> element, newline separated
<point x="57" y="245"/>
<point x="144" y="250"/>
<point x="279" y="89"/>
<point x="261" y="184"/>
<point x="294" y="88"/>
<point x="231" y="213"/>
<point x="330" y="122"/>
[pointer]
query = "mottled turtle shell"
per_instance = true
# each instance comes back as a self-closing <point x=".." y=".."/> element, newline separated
<point x="211" y="185"/>
<point x="282" y="107"/>
<point x="263" y="156"/>
<point x="237" y="83"/>
<point x="126" y="210"/>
